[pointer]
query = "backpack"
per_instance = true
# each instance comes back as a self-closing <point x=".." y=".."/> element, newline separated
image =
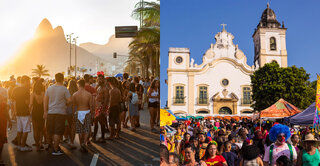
<point x="134" y="99"/>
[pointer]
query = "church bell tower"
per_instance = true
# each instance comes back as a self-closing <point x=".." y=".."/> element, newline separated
<point x="269" y="40"/>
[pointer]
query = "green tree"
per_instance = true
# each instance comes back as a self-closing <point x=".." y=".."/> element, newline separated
<point x="83" y="70"/>
<point x="314" y="85"/>
<point x="271" y="82"/>
<point x="40" y="71"/>
<point x="145" y="47"/>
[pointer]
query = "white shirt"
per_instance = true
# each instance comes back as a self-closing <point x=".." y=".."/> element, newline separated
<point x="279" y="151"/>
<point x="154" y="93"/>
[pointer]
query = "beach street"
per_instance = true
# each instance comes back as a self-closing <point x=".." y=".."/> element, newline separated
<point x="134" y="148"/>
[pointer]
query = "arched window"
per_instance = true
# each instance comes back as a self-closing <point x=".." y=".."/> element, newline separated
<point x="273" y="43"/>
<point x="225" y="110"/>
<point x="203" y="112"/>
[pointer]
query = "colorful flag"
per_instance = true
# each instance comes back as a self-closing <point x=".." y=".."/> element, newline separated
<point x="316" y="121"/>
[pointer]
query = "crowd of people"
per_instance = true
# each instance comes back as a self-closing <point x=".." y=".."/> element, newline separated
<point x="58" y="109"/>
<point x="219" y="142"/>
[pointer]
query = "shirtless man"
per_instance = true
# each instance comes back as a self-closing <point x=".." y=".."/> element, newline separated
<point x="82" y="100"/>
<point x="114" y="108"/>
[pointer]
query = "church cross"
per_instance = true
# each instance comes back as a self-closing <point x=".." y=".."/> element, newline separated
<point x="223" y="25"/>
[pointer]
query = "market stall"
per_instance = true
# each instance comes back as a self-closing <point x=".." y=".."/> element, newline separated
<point x="279" y="110"/>
<point x="306" y="117"/>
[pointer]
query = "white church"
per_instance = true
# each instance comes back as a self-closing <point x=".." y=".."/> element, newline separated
<point x="221" y="84"/>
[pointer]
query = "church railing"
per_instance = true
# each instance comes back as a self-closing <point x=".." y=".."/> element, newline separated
<point x="245" y="101"/>
<point x="202" y="101"/>
<point x="179" y="100"/>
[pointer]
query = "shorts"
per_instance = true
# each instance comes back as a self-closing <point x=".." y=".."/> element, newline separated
<point x="153" y="105"/>
<point x="83" y="128"/>
<point x="123" y="107"/>
<point x="133" y="110"/>
<point x="56" y="124"/>
<point x="23" y="124"/>
<point x="114" y="115"/>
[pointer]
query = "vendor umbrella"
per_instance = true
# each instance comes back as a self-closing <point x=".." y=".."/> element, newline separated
<point x="188" y="117"/>
<point x="199" y="117"/>
<point x="166" y="118"/>
<point x="118" y="75"/>
<point x="181" y="118"/>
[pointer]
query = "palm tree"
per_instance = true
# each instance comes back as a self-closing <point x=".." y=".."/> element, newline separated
<point x="83" y="70"/>
<point x="145" y="47"/>
<point x="40" y="71"/>
<point x="72" y="69"/>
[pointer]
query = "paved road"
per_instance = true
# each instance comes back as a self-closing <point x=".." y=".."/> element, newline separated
<point x="134" y="148"/>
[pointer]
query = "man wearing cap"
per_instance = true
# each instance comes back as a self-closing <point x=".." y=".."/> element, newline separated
<point x="310" y="155"/>
<point x="279" y="134"/>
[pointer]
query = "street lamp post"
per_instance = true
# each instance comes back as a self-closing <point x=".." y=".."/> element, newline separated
<point x="69" y="37"/>
<point x="75" y="55"/>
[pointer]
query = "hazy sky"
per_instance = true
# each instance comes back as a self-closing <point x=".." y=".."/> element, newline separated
<point x="91" y="20"/>
<point x="193" y="24"/>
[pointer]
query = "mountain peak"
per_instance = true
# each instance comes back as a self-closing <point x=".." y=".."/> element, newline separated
<point x="44" y="28"/>
<point x="58" y="31"/>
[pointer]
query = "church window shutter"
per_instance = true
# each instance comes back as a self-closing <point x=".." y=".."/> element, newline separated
<point x="179" y="98"/>
<point x="246" y="95"/>
<point x="203" y="95"/>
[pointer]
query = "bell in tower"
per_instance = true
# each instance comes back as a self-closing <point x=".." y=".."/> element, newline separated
<point x="269" y="40"/>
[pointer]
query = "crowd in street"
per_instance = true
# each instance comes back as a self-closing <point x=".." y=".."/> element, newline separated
<point x="58" y="109"/>
<point x="219" y="142"/>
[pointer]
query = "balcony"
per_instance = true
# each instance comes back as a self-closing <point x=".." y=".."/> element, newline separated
<point x="203" y="101"/>
<point x="245" y="101"/>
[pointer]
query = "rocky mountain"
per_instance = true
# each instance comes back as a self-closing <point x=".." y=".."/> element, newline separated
<point x="50" y="48"/>
<point x="118" y="45"/>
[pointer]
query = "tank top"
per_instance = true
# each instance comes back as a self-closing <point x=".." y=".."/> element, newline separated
<point x="37" y="111"/>
<point x="310" y="160"/>
<point x="252" y="162"/>
<point x="153" y="100"/>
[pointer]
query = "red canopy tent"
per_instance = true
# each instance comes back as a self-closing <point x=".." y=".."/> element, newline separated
<point x="280" y="109"/>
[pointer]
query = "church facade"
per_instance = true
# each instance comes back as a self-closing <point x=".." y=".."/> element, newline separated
<point x="221" y="85"/>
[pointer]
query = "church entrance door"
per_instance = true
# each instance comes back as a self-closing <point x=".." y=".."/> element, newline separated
<point x="225" y="110"/>
<point x="226" y="105"/>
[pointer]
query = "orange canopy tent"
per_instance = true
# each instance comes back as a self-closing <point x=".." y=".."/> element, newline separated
<point x="237" y="118"/>
<point x="208" y="117"/>
<point x="227" y="117"/>
<point x="280" y="109"/>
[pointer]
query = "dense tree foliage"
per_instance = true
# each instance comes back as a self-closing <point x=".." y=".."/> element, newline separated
<point x="271" y="82"/>
<point x="145" y="47"/>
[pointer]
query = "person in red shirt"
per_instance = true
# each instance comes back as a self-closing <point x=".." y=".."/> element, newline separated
<point x="212" y="158"/>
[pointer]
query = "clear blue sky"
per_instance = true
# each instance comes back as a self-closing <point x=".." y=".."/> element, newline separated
<point x="193" y="24"/>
